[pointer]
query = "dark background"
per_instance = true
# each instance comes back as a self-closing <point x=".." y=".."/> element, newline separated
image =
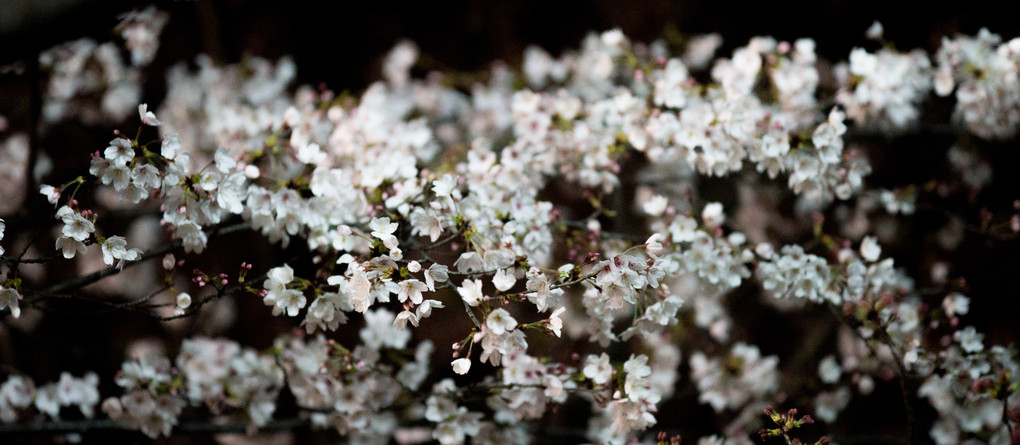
<point x="340" y="42"/>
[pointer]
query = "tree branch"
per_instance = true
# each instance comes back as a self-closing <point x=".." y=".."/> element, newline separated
<point x="113" y="270"/>
<point x="57" y="290"/>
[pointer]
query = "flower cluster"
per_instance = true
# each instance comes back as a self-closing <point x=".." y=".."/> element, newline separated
<point x="734" y="380"/>
<point x="83" y="70"/>
<point x="18" y="394"/>
<point x="885" y="88"/>
<point x="984" y="73"/>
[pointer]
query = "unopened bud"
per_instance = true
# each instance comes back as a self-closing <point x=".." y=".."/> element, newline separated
<point x="183" y="300"/>
<point x="252" y="172"/>
<point x="169" y="261"/>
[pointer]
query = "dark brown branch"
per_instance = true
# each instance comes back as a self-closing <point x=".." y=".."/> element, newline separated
<point x="900" y="369"/>
<point x="59" y="290"/>
<point x="113" y="270"/>
<point x="444" y="241"/>
<point x="221" y="292"/>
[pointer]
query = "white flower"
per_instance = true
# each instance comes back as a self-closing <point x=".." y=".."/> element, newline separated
<point x="554" y="388"/>
<point x="120" y="151"/>
<point x="76" y="226"/>
<point x="504" y="279"/>
<point x="46" y="400"/>
<point x="360" y="287"/>
<point x="9" y="299"/>
<point x="169" y="261"/>
<point x="829" y="370"/>
<point x="653" y="246"/>
<point x="379" y="331"/>
<point x="471" y="292"/>
<point x="193" y="236"/>
<point x="411" y="289"/>
<point x="874" y="31"/>
<point x="424" y="310"/>
<point x="614" y="37"/>
<point x="383" y="229"/>
<point x="655" y="205"/>
<point x="145" y="175"/>
<point x="637" y="385"/>
<point x="183" y="300"/>
<point x="829" y="404"/>
<point x="170" y="146"/>
<point x="870" y="249"/>
<point x="311" y="154"/>
<point x="970" y="340"/>
<point x="427" y="223"/>
<point x="956" y="304"/>
<point x="403" y="317"/>
<point x="413" y="267"/>
<point x="69" y="246"/>
<point x="436" y="273"/>
<point x="598" y="369"/>
<point x="713" y="215"/>
<point x="183" y="303"/>
<point x="291" y="301"/>
<point x="499" y="322"/>
<point x="469" y="262"/>
<point x="765" y="250"/>
<point x="51" y="193"/>
<point x="637" y="366"/>
<point x="683" y="229"/>
<point x="230" y="193"/>
<point x="115" y="248"/>
<point x="224" y="163"/>
<point x="286" y="300"/>
<point x="555" y="322"/>
<point x="117" y="174"/>
<point x="252" y="172"/>
<point x="279" y="276"/>
<point x="542" y="294"/>
<point x="148" y="118"/>
<point x="943" y="82"/>
<point x="444" y="186"/>
<point x="461" y="366"/>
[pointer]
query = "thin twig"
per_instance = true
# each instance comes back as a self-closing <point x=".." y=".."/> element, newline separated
<point x="221" y="292"/>
<point x="1005" y="416"/>
<point x="139" y="301"/>
<point x="447" y="240"/>
<point x="15" y="260"/>
<point x="471" y="313"/>
<point x="59" y="290"/>
<point x="113" y="270"/>
<point x="901" y="371"/>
